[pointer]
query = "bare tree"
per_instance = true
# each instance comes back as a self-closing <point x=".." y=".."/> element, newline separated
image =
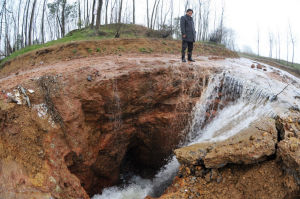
<point x="26" y="22"/>
<point x="50" y="28"/>
<point x="63" y="24"/>
<point x="186" y="5"/>
<point x="42" y="22"/>
<point x="279" y="44"/>
<point x="93" y="15"/>
<point x="120" y="11"/>
<point x="258" y="34"/>
<point x="133" y="11"/>
<point x="106" y="11"/>
<point x="98" y="20"/>
<point x="287" y="48"/>
<point x="18" y="26"/>
<point x="293" y="43"/>
<point x="156" y="2"/>
<point x="79" y="15"/>
<point x="155" y="15"/>
<point x="30" y="23"/>
<point x="271" y="44"/>
<point x="148" y="22"/>
<point x="172" y="13"/>
<point x="87" y="14"/>
<point x="205" y="22"/>
<point x="113" y="5"/>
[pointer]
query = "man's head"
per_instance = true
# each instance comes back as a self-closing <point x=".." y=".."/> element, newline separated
<point x="189" y="12"/>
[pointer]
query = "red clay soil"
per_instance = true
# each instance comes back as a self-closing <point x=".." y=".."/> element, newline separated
<point x="87" y="117"/>
<point x="118" y="47"/>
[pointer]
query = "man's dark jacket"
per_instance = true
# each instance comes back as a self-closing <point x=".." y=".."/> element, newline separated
<point x="188" y="28"/>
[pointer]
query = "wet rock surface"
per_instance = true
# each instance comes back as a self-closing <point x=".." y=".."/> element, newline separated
<point x="260" y="162"/>
<point x="252" y="145"/>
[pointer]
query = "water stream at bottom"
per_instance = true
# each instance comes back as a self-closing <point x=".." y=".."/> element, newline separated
<point x="250" y="104"/>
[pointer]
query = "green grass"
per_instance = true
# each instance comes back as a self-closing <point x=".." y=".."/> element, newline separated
<point x="106" y="31"/>
<point x="145" y="50"/>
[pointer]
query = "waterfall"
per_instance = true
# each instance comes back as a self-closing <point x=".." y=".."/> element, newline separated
<point x="227" y="105"/>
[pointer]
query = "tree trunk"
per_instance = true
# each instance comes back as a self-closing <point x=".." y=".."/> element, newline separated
<point x="63" y="27"/>
<point x="18" y="27"/>
<point x="279" y="46"/>
<point x="93" y="16"/>
<point x="133" y="14"/>
<point x="26" y="22"/>
<point x="287" y="49"/>
<point x="120" y="11"/>
<point x="152" y="15"/>
<point x="172" y="11"/>
<point x="112" y="11"/>
<point x="100" y="2"/>
<point x="293" y="55"/>
<point x="42" y="22"/>
<point x="293" y="43"/>
<point x="87" y="13"/>
<point x="148" y="24"/>
<point x="30" y="24"/>
<point x="257" y="42"/>
<point x="1" y="22"/>
<point x="51" y="32"/>
<point x="271" y="45"/>
<point x="79" y="15"/>
<point x="106" y="11"/>
<point x="155" y="15"/>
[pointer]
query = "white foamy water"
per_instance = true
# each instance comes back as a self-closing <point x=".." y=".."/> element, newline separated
<point x="252" y="102"/>
<point x="139" y="187"/>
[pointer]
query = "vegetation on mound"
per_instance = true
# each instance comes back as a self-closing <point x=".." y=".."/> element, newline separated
<point x="87" y="34"/>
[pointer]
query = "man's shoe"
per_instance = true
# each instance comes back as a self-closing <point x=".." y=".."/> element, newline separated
<point x="183" y="60"/>
<point x="190" y="58"/>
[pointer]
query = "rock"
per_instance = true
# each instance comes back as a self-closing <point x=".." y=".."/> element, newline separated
<point x="214" y="174"/>
<point x="289" y="153"/>
<point x="259" y="66"/>
<point x="208" y="177"/>
<point x="252" y="66"/>
<point x="240" y="149"/>
<point x="89" y="78"/>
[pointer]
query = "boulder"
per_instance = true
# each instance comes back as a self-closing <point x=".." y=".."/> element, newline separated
<point x="253" y="144"/>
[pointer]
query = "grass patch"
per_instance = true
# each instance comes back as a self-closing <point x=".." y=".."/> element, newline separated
<point x="145" y="50"/>
<point x="106" y="31"/>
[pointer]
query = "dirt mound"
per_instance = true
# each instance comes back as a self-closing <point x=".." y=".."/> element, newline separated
<point x="119" y="47"/>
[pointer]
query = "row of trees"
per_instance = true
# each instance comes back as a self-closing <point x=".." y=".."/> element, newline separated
<point x="27" y="22"/>
<point x="275" y="44"/>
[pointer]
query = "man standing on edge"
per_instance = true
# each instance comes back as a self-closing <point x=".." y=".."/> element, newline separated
<point x="188" y="34"/>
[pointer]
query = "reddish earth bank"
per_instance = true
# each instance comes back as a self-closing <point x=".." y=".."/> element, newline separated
<point x="70" y="129"/>
<point x="89" y="120"/>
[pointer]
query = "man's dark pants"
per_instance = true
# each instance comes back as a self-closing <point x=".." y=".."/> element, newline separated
<point x="190" y="46"/>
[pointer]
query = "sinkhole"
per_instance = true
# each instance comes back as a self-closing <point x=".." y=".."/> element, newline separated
<point x="226" y="105"/>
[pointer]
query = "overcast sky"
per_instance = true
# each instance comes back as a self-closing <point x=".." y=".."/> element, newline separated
<point x="245" y="17"/>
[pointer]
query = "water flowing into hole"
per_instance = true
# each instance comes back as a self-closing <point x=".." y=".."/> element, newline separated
<point x="227" y="106"/>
